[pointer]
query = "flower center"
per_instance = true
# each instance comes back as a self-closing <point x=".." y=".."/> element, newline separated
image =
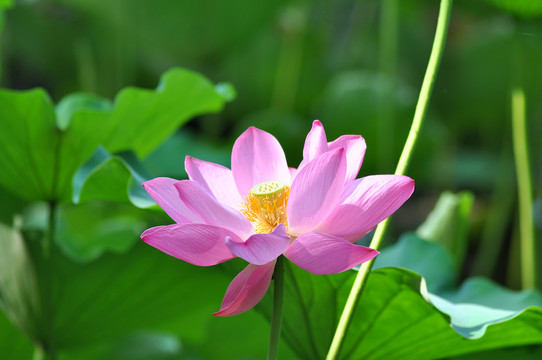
<point x="266" y="204"/>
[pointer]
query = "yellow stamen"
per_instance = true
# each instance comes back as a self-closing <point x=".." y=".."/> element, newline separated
<point x="266" y="204"/>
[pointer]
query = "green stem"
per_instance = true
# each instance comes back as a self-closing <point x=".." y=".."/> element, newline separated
<point x="523" y="173"/>
<point x="278" y="305"/>
<point x="419" y="114"/>
<point x="48" y="352"/>
<point x="38" y="354"/>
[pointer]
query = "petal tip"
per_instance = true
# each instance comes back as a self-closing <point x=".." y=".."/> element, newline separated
<point x="220" y="314"/>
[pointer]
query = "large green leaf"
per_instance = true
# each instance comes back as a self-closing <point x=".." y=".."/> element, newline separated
<point x="40" y="153"/>
<point x="13" y="344"/>
<point x="101" y="305"/>
<point x="477" y="304"/>
<point x="395" y="319"/>
<point x="111" y="178"/>
<point x="140" y="290"/>
<point x="396" y="312"/>
<point x="72" y="103"/>
<point x="85" y="232"/>
<point x="28" y="139"/>
<point x="427" y="259"/>
<point x="143" y="119"/>
<point x="523" y="352"/>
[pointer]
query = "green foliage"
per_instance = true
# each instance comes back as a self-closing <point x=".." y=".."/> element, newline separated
<point x="64" y="152"/>
<point x="143" y="119"/>
<point x="29" y="140"/>
<point x="448" y="223"/>
<point x="398" y="319"/>
<point x="416" y="254"/>
<point x="167" y="161"/>
<point x="13" y="344"/>
<point x="116" y="295"/>
<point x="19" y="296"/>
<point x="525" y="8"/>
<point x="117" y="298"/>
<point x="480" y="303"/>
<point x="72" y="103"/>
<point x="5" y="4"/>
<point x="111" y="178"/>
<point x="87" y="231"/>
<point x="43" y="149"/>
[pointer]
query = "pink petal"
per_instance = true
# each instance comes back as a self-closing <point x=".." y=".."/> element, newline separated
<point x="166" y="196"/>
<point x="315" y="143"/>
<point x="217" y="179"/>
<point x="210" y="211"/>
<point x="315" y="191"/>
<point x="260" y="249"/>
<point x="324" y="254"/>
<point x="293" y="173"/>
<point x="355" y="151"/>
<point x="247" y="289"/>
<point x="198" y="244"/>
<point x="257" y="157"/>
<point x="364" y="203"/>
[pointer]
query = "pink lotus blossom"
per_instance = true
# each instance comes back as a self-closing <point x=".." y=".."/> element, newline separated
<point x="261" y="209"/>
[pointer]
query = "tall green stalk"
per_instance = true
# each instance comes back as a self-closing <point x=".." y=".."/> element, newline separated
<point x="525" y="189"/>
<point x="404" y="160"/>
<point x="278" y="306"/>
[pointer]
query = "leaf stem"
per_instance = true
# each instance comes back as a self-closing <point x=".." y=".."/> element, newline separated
<point x="38" y="354"/>
<point x="276" y="321"/>
<point x="525" y="189"/>
<point x="49" y="352"/>
<point x="406" y="155"/>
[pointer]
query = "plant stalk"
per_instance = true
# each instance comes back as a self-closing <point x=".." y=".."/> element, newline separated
<point x="525" y="190"/>
<point x="404" y="160"/>
<point x="48" y="346"/>
<point x="278" y="306"/>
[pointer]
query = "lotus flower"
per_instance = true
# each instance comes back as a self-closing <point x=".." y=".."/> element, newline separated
<point x="261" y="209"/>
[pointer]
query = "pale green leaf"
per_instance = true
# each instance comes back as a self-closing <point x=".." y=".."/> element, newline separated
<point x="448" y="223"/>
<point x="19" y="294"/>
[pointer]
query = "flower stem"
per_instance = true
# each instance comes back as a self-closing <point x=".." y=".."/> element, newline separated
<point x="523" y="173"/>
<point x="419" y="114"/>
<point x="276" y="321"/>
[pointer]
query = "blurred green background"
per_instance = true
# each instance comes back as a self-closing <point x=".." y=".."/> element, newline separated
<point x="355" y="65"/>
